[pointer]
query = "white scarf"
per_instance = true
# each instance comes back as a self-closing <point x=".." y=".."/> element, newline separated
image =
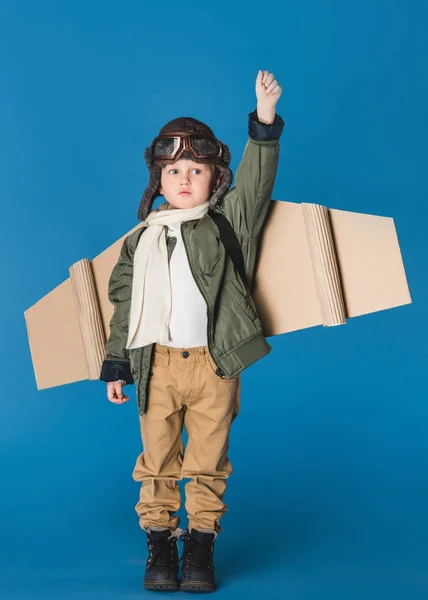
<point x="151" y="285"/>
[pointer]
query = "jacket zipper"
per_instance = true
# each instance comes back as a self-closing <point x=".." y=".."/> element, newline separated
<point x="203" y="295"/>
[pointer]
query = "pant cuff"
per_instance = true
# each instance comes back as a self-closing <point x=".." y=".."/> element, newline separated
<point x="172" y="524"/>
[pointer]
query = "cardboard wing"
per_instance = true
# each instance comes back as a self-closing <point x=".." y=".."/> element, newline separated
<point x="316" y="266"/>
<point x="319" y="266"/>
<point x="67" y="329"/>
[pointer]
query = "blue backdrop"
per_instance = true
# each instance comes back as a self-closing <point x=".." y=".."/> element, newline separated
<point x="329" y="492"/>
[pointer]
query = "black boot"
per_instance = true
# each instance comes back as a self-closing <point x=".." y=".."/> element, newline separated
<point x="162" y="564"/>
<point x="198" y="566"/>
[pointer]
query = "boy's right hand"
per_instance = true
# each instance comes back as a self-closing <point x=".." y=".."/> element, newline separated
<point x="114" y="392"/>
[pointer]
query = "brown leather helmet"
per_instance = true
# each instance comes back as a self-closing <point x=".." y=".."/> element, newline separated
<point x="186" y="126"/>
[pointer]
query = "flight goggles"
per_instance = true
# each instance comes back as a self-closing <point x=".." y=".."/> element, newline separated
<point x="168" y="148"/>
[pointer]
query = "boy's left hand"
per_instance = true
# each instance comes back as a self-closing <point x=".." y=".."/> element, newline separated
<point x="268" y="91"/>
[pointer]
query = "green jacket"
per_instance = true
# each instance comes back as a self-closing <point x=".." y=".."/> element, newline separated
<point x="235" y="335"/>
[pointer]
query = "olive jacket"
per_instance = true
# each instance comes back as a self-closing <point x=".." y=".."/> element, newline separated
<point x="234" y="333"/>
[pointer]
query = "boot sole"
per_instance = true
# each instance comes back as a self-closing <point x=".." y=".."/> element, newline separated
<point x="197" y="586"/>
<point x="172" y="586"/>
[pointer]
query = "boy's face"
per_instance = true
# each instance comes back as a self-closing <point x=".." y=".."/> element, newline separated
<point x="186" y="176"/>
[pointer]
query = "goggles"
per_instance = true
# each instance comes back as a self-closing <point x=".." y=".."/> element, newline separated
<point x="168" y="148"/>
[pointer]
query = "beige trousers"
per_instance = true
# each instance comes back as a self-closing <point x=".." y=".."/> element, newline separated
<point x="185" y="390"/>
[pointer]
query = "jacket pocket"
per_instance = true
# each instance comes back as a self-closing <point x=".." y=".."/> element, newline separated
<point x="244" y="300"/>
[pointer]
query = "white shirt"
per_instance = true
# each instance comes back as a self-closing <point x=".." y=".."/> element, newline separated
<point x="188" y="321"/>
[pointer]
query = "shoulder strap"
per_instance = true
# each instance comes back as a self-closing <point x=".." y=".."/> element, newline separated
<point x="230" y="241"/>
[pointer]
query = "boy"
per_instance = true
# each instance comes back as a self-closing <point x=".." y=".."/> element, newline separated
<point x="185" y="326"/>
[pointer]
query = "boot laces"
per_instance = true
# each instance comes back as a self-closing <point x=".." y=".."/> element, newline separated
<point x="187" y="537"/>
<point x="164" y="549"/>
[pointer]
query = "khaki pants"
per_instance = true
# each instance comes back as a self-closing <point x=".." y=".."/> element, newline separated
<point x="185" y="390"/>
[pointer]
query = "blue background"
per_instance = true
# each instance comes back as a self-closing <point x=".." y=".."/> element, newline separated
<point x="329" y="493"/>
